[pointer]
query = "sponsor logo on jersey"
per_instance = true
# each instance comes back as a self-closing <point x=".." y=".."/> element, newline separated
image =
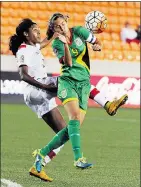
<point x="78" y="41"/>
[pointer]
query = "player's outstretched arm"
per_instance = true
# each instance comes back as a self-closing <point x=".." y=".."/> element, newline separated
<point x="45" y="42"/>
<point x="23" y="71"/>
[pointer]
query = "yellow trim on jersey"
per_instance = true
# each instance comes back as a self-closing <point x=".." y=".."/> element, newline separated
<point x="80" y="61"/>
<point x="69" y="99"/>
<point x="61" y="70"/>
<point x="81" y="110"/>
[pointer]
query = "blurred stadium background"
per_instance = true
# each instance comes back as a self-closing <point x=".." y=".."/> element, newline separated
<point x="117" y="14"/>
<point x="119" y="61"/>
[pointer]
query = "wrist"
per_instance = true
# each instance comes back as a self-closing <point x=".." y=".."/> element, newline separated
<point x="97" y="42"/>
<point x="66" y="44"/>
<point x="42" y="86"/>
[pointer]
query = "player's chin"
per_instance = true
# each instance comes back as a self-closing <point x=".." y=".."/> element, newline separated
<point x="62" y="33"/>
<point x="65" y="32"/>
<point x="38" y="40"/>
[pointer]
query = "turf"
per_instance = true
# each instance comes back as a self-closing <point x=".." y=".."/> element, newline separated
<point x="111" y="143"/>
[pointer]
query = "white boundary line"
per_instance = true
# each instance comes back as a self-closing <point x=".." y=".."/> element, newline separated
<point x="9" y="183"/>
<point x="72" y="0"/>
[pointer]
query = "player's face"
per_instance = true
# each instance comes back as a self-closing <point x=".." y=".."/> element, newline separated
<point x="60" y="26"/>
<point x="34" y="34"/>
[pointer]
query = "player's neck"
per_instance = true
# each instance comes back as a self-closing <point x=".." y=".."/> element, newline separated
<point x="30" y="43"/>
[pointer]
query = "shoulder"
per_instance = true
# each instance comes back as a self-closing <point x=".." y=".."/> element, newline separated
<point x="77" y="29"/>
<point x="24" y="55"/>
<point x="25" y="51"/>
<point x="38" y="45"/>
<point x="22" y="49"/>
<point x="82" y="32"/>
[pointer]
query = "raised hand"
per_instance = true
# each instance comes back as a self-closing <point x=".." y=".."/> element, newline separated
<point x="62" y="38"/>
<point x="96" y="47"/>
<point x="56" y="35"/>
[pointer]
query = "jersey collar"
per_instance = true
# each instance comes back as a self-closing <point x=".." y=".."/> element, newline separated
<point x="22" y="46"/>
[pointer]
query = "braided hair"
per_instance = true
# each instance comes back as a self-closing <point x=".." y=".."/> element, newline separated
<point x="17" y="39"/>
<point x="50" y="30"/>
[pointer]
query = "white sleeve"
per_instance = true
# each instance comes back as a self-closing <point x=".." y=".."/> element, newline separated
<point x="23" y="57"/>
<point x="91" y="39"/>
<point x="38" y="45"/>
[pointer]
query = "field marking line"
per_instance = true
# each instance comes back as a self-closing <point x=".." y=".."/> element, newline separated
<point x="9" y="183"/>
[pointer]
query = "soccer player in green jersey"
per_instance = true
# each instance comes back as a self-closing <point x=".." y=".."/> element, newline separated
<point x="73" y="84"/>
<point x="74" y="81"/>
<point x="73" y="87"/>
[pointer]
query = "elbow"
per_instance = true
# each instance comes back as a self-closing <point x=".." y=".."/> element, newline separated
<point x="70" y="63"/>
<point x="22" y="77"/>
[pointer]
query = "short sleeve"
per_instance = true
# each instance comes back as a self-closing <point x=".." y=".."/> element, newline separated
<point x="82" y="32"/>
<point x="23" y="57"/>
<point x="58" y="49"/>
<point x="38" y="45"/>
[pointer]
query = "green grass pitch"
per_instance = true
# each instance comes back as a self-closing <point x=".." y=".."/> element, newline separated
<point x="111" y="143"/>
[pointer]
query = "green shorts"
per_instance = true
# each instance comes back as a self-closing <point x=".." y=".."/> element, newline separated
<point x="69" y="90"/>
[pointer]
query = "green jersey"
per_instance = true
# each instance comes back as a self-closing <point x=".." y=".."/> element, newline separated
<point x="80" y="69"/>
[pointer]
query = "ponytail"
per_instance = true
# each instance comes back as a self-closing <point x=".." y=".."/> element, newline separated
<point x="49" y="33"/>
<point x="14" y="43"/>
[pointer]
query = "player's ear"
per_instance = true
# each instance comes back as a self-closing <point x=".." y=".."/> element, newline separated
<point x="66" y="18"/>
<point x="25" y="34"/>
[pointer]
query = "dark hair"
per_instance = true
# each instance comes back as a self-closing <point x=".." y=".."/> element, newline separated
<point x="50" y="30"/>
<point x="17" y="39"/>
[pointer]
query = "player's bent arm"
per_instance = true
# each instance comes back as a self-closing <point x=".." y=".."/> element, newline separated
<point x="44" y="43"/>
<point x="86" y="35"/>
<point x="96" y="44"/>
<point x="67" y="55"/>
<point x="23" y="71"/>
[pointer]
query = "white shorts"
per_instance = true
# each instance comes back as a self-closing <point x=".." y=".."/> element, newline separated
<point x="40" y="101"/>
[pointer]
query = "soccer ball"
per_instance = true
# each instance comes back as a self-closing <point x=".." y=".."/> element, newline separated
<point x="95" y="22"/>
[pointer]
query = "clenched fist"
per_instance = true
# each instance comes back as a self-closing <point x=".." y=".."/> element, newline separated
<point x="96" y="47"/>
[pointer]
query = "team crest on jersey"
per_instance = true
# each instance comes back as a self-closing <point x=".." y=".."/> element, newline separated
<point x="78" y="41"/>
<point x="64" y="93"/>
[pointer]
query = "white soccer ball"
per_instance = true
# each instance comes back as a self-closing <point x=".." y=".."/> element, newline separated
<point x="95" y="22"/>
